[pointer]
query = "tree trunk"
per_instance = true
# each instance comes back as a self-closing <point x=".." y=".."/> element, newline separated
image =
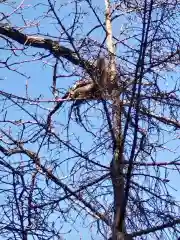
<point x="116" y="168"/>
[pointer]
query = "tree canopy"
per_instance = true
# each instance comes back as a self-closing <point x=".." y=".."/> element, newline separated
<point x="101" y="166"/>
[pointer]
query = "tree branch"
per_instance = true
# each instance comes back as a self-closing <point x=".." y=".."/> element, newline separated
<point x="156" y="228"/>
<point x="47" y="44"/>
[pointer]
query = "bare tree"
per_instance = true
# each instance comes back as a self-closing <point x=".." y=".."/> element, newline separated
<point x="89" y="123"/>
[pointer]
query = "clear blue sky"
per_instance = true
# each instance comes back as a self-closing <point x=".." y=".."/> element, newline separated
<point x="40" y="80"/>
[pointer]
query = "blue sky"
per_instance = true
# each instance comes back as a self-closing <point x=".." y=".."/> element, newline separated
<point x="39" y="77"/>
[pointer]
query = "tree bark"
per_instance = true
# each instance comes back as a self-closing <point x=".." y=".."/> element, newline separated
<point x="116" y="166"/>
